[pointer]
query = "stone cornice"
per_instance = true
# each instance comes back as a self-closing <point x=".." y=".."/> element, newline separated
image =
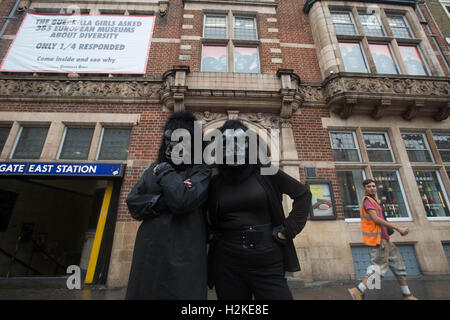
<point x="345" y="94"/>
<point x="378" y="95"/>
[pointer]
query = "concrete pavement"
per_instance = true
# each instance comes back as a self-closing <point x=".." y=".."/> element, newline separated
<point x="424" y="288"/>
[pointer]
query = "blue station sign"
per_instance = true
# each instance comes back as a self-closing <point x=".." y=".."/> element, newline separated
<point x="62" y="169"/>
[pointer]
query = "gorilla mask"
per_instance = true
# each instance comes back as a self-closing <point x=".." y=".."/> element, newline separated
<point x="174" y="138"/>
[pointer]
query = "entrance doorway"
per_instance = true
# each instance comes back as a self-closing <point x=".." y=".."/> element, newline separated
<point x="50" y="223"/>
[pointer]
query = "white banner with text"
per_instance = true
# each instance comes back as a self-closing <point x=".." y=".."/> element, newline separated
<point x="81" y="44"/>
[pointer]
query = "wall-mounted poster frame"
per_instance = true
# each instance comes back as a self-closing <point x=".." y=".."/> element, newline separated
<point x="323" y="206"/>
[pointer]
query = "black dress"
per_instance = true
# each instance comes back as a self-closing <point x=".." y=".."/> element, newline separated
<point x="243" y="204"/>
<point x="169" y="259"/>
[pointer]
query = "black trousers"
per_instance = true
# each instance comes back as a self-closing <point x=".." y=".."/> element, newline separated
<point x="245" y="273"/>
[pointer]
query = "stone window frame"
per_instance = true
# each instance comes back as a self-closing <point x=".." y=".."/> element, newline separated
<point x="437" y="165"/>
<point x="63" y="140"/>
<point x="230" y="42"/>
<point x="100" y="141"/>
<point x="364" y="176"/>
<point x="417" y="40"/>
<point x="439" y="150"/>
<point x="19" y="136"/>
<point x="388" y="142"/>
<point x="368" y="166"/>
<point x="394" y="59"/>
<point x="400" y="163"/>
<point x="427" y="147"/>
<point x="445" y="198"/>
<point x="57" y="123"/>
<point x="378" y="23"/>
<point x="355" y="140"/>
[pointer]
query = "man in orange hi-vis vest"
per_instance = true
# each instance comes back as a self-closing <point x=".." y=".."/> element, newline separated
<point x="384" y="254"/>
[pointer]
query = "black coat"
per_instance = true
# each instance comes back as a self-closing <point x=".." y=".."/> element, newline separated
<point x="275" y="186"/>
<point x="169" y="259"/>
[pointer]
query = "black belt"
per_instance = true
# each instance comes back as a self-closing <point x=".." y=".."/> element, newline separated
<point x="249" y="236"/>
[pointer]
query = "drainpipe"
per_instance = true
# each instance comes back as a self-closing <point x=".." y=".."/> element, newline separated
<point x="11" y="14"/>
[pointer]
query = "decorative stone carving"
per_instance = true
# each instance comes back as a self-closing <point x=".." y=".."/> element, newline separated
<point x="313" y="94"/>
<point x="207" y="117"/>
<point x="80" y="88"/>
<point x="268" y="121"/>
<point x="387" y="85"/>
<point x="265" y="120"/>
<point x="424" y="95"/>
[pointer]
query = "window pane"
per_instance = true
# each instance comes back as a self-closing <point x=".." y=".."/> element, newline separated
<point x="4" y="132"/>
<point x="352" y="56"/>
<point x="412" y="60"/>
<point x="442" y="141"/>
<point x="371" y="25"/>
<point x="245" y="28"/>
<point x="399" y="27"/>
<point x="343" y="23"/>
<point x="344" y="147"/>
<point x="383" y="59"/>
<point x="77" y="143"/>
<point x="377" y="147"/>
<point x="215" y="27"/>
<point x="246" y="60"/>
<point x="416" y="147"/>
<point x="30" y="143"/>
<point x="115" y="144"/>
<point x="432" y="195"/>
<point x="214" y="59"/>
<point x="390" y="194"/>
<point x="352" y="191"/>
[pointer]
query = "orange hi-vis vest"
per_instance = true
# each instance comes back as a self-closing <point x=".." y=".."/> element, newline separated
<point x="370" y="230"/>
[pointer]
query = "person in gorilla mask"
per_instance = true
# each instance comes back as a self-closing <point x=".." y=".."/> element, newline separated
<point x="251" y="242"/>
<point x="169" y="258"/>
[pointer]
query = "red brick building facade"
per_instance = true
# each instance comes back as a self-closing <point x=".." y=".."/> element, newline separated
<point x="333" y="115"/>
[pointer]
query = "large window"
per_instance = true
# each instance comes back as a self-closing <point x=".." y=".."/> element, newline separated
<point x="215" y="26"/>
<point x="371" y="25"/>
<point x="399" y="26"/>
<point x="417" y="147"/>
<point x="114" y="144"/>
<point x="353" y="57"/>
<point x="360" y="152"/>
<point x="245" y="28"/>
<point x="413" y="60"/>
<point x="351" y="190"/>
<point x="390" y="194"/>
<point x="378" y="147"/>
<point x="343" y="22"/>
<point x="434" y="197"/>
<point x="214" y="59"/>
<point x="442" y="141"/>
<point x="4" y="132"/>
<point x="344" y="146"/>
<point x="225" y="51"/>
<point x="30" y="142"/>
<point x="246" y="60"/>
<point x="367" y="46"/>
<point x="77" y="142"/>
<point x="383" y="58"/>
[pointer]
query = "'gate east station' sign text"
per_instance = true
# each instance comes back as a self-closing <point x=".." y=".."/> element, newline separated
<point x="61" y="169"/>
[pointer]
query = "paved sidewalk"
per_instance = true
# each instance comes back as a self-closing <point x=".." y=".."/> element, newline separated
<point x="424" y="288"/>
